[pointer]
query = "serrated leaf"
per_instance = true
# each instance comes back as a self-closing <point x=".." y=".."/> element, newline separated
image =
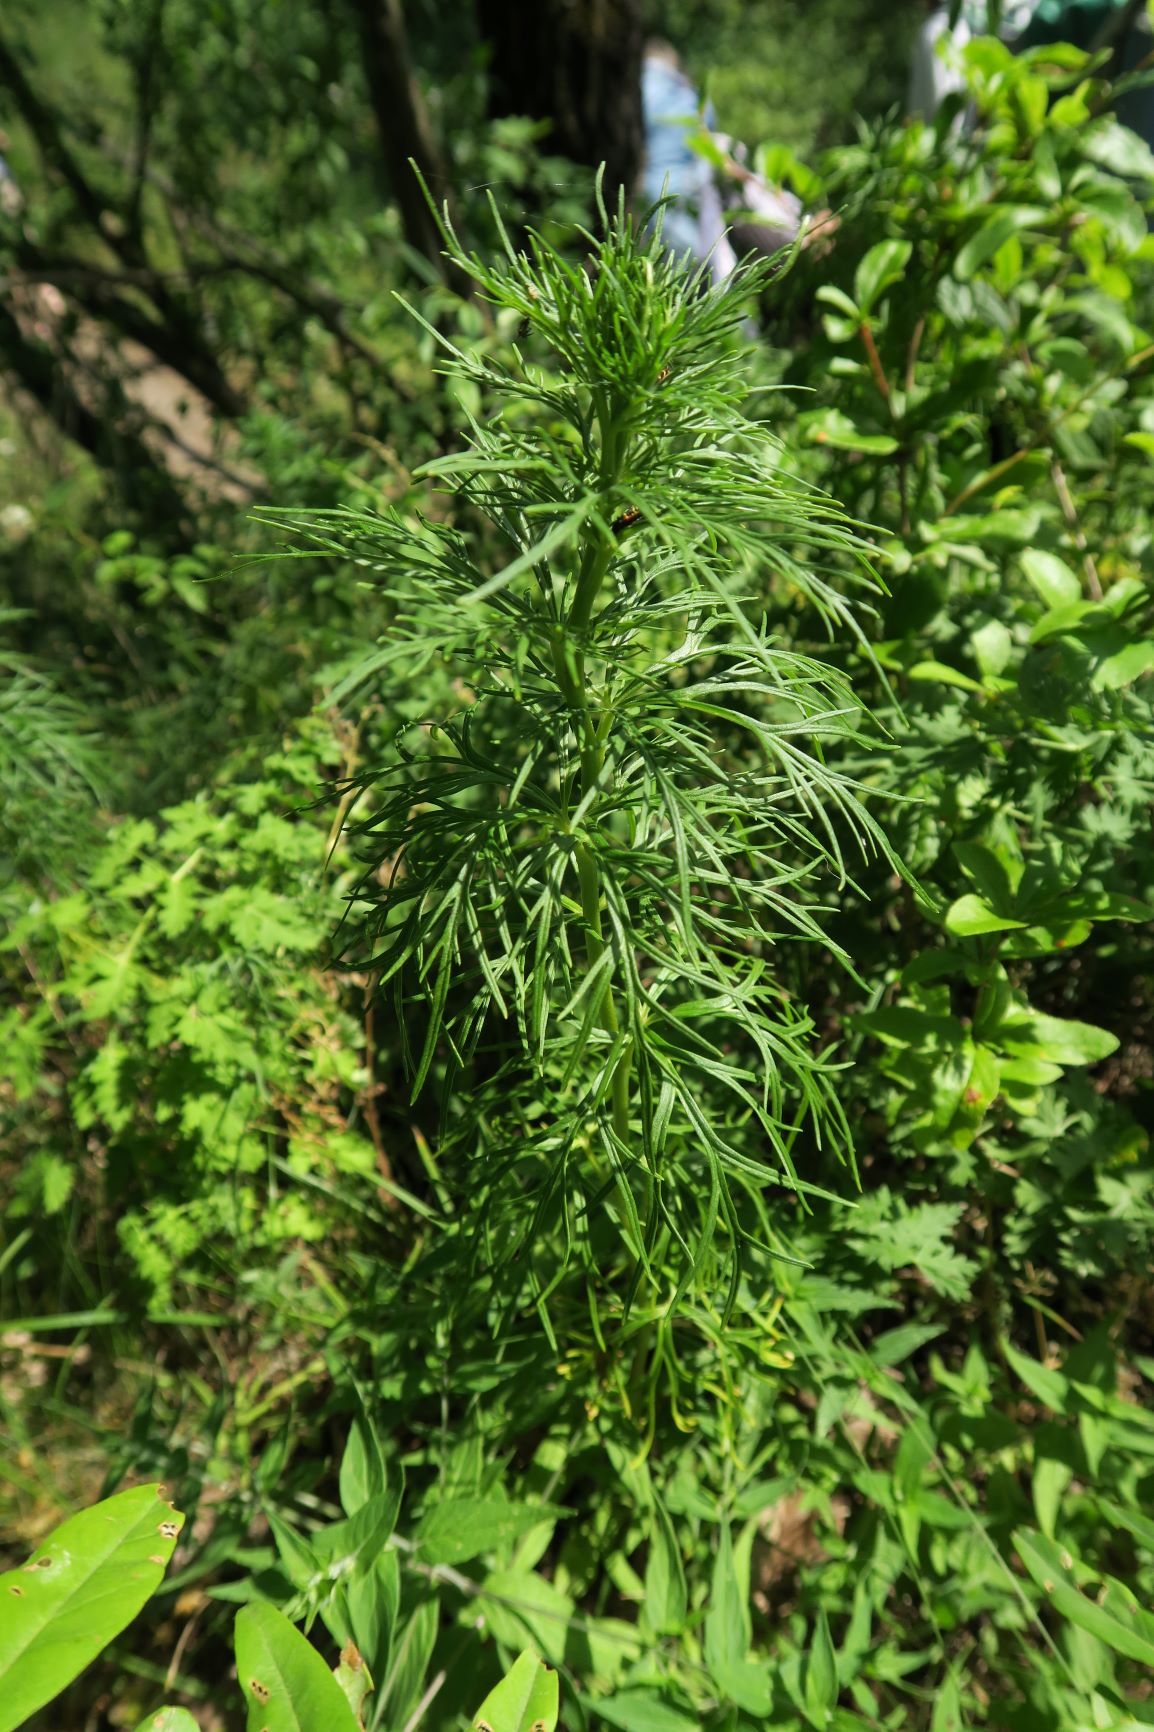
<point x="78" y="1590"/>
<point x="56" y="1178"/>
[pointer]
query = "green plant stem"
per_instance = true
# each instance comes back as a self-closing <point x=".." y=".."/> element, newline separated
<point x="594" y="566"/>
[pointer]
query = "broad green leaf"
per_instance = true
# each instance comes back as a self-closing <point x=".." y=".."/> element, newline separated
<point x="1057" y="1039"/>
<point x="1123" y="667"/>
<point x="947" y="1707"/>
<point x="915" y="1452"/>
<point x="832" y="427"/>
<point x="1142" y="1527"/>
<point x="749" y="1683"/>
<point x="363" y="1474"/>
<point x="970" y="916"/>
<point x="821" y="1685"/>
<point x="1050" y="1479"/>
<point x="994" y="233"/>
<point x="895" y="1346"/>
<point x="992" y="646"/>
<point x="1050" y="577"/>
<point x="408" y="1665"/>
<point x="1065" y="619"/>
<point x="301" y="1563"/>
<point x="1051" y="1569"/>
<point x="1095" y="1434"/>
<point x="520" y="1605"/>
<point x="1116" y="208"/>
<point x="1009" y="527"/>
<point x="457" y="1529"/>
<point x="882" y="266"/>
<point x="615" y="1647"/>
<point x="169" y="1720"/>
<point x="1103" y="905"/>
<point x="352" y="1546"/>
<point x="643" y="1711"/>
<point x="996" y="872"/>
<point x="287" y="1686"/>
<point x="372" y="1600"/>
<point x="1050" y="1387"/>
<point x="1118" y="149"/>
<point x="944" y="675"/>
<point x="726" y="1642"/>
<point x="1042" y="940"/>
<point x="1019" y="1075"/>
<point x="665" y="1591"/>
<point x="78" y="1590"/>
<point x="838" y="298"/>
<point x="526" y="1699"/>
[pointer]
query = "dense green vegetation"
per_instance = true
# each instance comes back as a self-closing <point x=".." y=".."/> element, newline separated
<point x="576" y="992"/>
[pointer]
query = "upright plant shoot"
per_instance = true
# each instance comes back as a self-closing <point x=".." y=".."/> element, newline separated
<point x="579" y="878"/>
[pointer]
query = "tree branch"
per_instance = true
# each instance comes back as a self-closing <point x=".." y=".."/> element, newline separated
<point x="404" y="131"/>
<point x="43" y="126"/>
<point x="176" y="339"/>
<point x="115" y="447"/>
<point x="147" y="102"/>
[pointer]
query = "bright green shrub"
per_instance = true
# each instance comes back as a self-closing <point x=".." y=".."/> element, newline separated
<point x="204" y="1055"/>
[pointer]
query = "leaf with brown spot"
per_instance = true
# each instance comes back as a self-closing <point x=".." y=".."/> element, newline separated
<point x="76" y="1592"/>
<point x="526" y="1699"/>
<point x="169" y="1720"/>
<point x="289" y="1688"/>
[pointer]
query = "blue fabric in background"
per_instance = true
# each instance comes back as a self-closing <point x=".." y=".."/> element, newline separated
<point x="671" y="114"/>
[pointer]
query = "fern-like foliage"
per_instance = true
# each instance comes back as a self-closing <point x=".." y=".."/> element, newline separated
<point x="577" y="884"/>
<point x="48" y="749"/>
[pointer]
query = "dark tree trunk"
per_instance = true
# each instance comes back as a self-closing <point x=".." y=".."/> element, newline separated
<point x="403" y="127"/>
<point x="576" y="64"/>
